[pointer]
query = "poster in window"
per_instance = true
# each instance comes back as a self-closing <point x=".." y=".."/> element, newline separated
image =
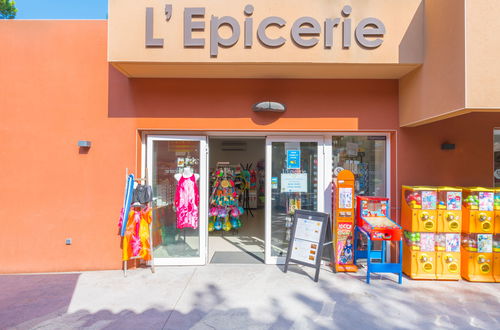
<point x="293" y="159"/>
<point x="352" y="149"/>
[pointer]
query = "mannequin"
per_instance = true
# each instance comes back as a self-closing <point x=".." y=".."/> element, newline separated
<point x="187" y="199"/>
<point x="186" y="173"/>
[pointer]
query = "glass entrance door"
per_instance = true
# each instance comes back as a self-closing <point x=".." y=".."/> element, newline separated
<point x="294" y="181"/>
<point x="176" y="168"/>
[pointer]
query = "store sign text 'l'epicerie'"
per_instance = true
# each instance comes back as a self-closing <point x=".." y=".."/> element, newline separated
<point x="305" y="31"/>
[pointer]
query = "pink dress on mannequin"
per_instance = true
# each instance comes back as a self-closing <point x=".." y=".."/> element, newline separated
<point x="187" y="199"/>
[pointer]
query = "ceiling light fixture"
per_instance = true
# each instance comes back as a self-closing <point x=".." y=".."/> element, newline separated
<point x="269" y="106"/>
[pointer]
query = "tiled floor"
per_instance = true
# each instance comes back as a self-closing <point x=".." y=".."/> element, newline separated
<point x="250" y="238"/>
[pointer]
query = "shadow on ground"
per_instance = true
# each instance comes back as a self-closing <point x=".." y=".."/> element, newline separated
<point x="294" y="302"/>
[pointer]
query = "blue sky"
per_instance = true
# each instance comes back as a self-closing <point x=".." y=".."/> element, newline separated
<point x="62" y="9"/>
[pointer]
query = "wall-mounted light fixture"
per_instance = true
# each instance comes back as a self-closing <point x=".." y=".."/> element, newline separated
<point x="269" y="106"/>
<point x="84" y="144"/>
<point x="447" y="146"/>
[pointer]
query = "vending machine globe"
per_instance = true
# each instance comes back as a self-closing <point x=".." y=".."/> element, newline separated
<point x="447" y="256"/>
<point x="419" y="209"/>
<point x="477" y="257"/>
<point x="419" y="255"/>
<point x="478" y="211"/>
<point x="449" y="210"/>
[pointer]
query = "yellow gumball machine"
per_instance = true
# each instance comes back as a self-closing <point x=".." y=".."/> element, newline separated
<point x="496" y="257"/>
<point x="497" y="211"/>
<point x="477" y="257"/>
<point x="449" y="213"/>
<point x="478" y="213"/>
<point x="448" y="256"/>
<point x="418" y="212"/>
<point x="419" y="256"/>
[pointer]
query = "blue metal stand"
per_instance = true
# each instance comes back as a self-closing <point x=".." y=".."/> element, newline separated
<point x="369" y="254"/>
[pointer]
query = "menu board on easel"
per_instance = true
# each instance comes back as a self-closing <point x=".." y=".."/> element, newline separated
<point x="307" y="239"/>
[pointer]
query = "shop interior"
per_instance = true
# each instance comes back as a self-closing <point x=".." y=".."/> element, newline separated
<point x="236" y="200"/>
<point x="236" y="192"/>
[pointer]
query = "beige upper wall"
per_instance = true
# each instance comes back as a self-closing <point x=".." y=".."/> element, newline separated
<point x="436" y="90"/>
<point x="461" y="70"/>
<point x="483" y="54"/>
<point x="402" y="43"/>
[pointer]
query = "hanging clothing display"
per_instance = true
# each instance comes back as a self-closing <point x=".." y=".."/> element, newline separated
<point x="224" y="210"/>
<point x="136" y="241"/>
<point x="187" y="199"/>
<point x="142" y="194"/>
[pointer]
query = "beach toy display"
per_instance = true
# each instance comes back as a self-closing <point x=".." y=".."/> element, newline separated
<point x="224" y="211"/>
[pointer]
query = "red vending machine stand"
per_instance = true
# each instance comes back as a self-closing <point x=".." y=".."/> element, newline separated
<point x="343" y="221"/>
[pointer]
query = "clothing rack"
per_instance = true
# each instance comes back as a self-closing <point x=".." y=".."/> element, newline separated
<point x="148" y="262"/>
<point x="246" y="192"/>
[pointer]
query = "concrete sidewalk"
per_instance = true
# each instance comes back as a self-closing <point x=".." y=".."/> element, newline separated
<point x="242" y="297"/>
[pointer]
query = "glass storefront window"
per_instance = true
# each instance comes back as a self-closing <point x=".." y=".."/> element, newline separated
<point x="366" y="157"/>
<point x="170" y="239"/>
<point x="294" y="186"/>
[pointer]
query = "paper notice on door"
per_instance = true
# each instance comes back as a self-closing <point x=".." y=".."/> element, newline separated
<point x="294" y="182"/>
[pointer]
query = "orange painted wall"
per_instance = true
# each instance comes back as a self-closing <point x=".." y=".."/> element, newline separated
<point x="208" y="104"/>
<point x="54" y="92"/>
<point x="420" y="160"/>
<point x="57" y="88"/>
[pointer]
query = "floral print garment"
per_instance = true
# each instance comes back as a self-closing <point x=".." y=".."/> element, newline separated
<point x="187" y="199"/>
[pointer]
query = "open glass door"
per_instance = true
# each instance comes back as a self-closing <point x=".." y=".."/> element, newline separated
<point x="294" y="181"/>
<point x="177" y="170"/>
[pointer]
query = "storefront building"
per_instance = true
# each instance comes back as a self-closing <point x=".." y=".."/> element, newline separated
<point x="382" y="88"/>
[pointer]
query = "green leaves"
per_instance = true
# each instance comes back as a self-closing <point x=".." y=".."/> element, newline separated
<point x="8" y="9"/>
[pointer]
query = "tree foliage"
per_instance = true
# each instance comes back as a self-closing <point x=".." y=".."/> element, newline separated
<point x="8" y="9"/>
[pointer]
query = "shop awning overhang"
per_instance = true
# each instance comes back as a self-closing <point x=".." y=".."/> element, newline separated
<point x="263" y="70"/>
